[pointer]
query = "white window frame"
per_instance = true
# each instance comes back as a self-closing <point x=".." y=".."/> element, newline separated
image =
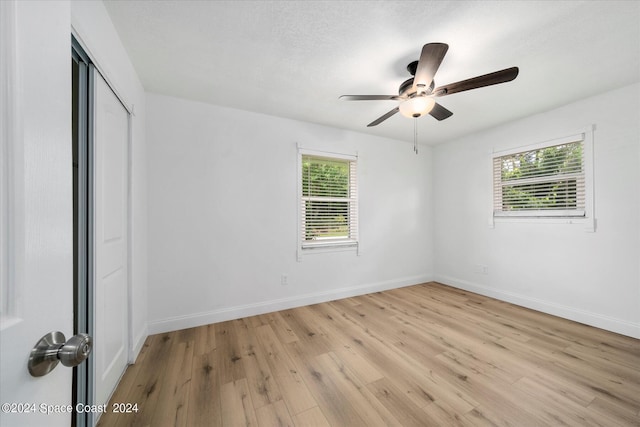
<point x="329" y="245"/>
<point x="585" y="218"/>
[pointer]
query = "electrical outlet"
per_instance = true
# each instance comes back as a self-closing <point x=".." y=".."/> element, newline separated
<point x="481" y="269"/>
<point x="284" y="280"/>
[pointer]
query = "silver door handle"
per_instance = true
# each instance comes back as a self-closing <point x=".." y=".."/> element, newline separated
<point x="53" y="348"/>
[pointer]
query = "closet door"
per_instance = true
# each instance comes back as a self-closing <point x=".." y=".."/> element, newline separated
<point x="110" y="159"/>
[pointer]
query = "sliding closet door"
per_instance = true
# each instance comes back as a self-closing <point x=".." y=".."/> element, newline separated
<point x="110" y="152"/>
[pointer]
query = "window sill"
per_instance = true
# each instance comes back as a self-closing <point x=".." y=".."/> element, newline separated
<point x="589" y="224"/>
<point x="563" y="214"/>
<point x="328" y="247"/>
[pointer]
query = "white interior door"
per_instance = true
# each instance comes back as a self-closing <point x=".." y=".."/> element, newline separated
<point x="36" y="226"/>
<point x="111" y="141"/>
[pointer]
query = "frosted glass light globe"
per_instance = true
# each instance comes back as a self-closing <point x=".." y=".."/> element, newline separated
<point x="417" y="106"/>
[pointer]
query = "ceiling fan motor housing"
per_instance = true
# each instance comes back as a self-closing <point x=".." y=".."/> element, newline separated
<point x="407" y="85"/>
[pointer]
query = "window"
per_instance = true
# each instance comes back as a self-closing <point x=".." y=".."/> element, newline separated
<point x="544" y="181"/>
<point x="328" y="200"/>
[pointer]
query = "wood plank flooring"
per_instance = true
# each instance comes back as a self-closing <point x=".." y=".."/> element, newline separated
<point x="424" y="355"/>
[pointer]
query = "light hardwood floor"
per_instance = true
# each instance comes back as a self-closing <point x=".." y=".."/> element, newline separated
<point x="424" y="355"/>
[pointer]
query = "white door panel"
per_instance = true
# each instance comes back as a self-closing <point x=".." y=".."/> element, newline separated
<point x="111" y="307"/>
<point x="36" y="212"/>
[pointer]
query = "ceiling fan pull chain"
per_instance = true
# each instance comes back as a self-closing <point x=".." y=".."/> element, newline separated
<point x="415" y="135"/>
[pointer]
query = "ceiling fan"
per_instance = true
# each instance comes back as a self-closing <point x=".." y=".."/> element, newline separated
<point x="417" y="94"/>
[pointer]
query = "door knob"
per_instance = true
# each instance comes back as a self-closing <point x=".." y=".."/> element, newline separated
<point x="53" y="349"/>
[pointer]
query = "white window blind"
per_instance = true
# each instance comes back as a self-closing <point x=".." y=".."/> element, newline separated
<point x="328" y="203"/>
<point x="548" y="181"/>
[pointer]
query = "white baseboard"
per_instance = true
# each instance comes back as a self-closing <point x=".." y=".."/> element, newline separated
<point x="236" y="312"/>
<point x="137" y="344"/>
<point x="582" y="316"/>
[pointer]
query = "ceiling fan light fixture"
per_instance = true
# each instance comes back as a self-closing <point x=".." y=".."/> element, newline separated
<point x="417" y="106"/>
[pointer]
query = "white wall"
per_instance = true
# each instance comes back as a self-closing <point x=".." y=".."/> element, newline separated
<point x="223" y="212"/>
<point x="557" y="268"/>
<point x="92" y="26"/>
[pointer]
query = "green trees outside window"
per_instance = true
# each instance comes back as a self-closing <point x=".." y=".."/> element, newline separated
<point x="549" y="178"/>
<point x="327" y="197"/>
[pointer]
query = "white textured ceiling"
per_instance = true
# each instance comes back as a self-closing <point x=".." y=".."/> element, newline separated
<point x="295" y="58"/>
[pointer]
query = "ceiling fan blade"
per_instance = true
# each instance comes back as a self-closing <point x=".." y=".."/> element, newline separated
<point x="430" y="60"/>
<point x="494" y="78"/>
<point x="438" y="112"/>
<point x="383" y="117"/>
<point x="369" y="97"/>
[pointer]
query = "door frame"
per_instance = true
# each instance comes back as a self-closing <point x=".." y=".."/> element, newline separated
<point x="83" y="381"/>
